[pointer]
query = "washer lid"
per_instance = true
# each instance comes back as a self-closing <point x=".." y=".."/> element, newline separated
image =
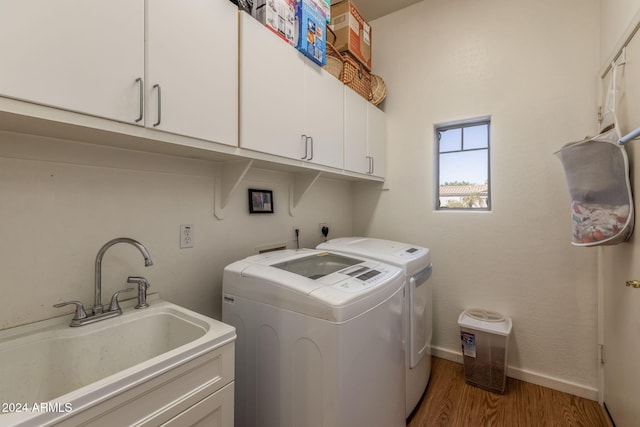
<point x="317" y="265"/>
<point x="409" y="257"/>
<point x="338" y="295"/>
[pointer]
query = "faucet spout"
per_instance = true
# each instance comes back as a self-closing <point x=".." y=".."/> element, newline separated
<point x="98" y="307"/>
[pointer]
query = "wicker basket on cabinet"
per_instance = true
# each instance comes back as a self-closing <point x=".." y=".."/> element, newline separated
<point x="335" y="62"/>
<point x="378" y="89"/>
<point x="346" y="68"/>
<point x="356" y="76"/>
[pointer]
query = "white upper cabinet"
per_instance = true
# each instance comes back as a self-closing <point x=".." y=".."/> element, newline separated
<point x="288" y="106"/>
<point x="88" y="56"/>
<point x="365" y="136"/>
<point x="324" y="116"/>
<point x="355" y="133"/>
<point x="192" y="68"/>
<point x="79" y="55"/>
<point x="377" y="140"/>
<point x="271" y="92"/>
<point x="189" y="77"/>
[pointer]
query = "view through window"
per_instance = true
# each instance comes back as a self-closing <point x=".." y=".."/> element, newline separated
<point x="463" y="165"/>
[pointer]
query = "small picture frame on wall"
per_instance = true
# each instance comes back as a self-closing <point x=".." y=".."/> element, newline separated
<point x="260" y="201"/>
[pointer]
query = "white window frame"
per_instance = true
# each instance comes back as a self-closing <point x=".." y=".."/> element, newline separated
<point x="460" y="125"/>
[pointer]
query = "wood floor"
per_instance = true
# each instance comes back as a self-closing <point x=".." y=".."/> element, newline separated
<point x="449" y="401"/>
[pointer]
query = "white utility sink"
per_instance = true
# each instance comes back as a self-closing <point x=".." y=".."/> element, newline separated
<point x="65" y="368"/>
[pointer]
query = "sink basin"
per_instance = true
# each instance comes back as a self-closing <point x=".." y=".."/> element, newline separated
<point x="49" y="362"/>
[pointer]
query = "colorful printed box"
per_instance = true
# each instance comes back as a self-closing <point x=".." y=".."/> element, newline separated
<point x="277" y="15"/>
<point x="312" y="30"/>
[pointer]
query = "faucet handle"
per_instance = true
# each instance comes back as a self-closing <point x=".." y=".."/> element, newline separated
<point x="80" y="312"/>
<point x="115" y="306"/>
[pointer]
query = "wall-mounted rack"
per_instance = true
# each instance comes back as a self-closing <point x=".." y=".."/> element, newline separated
<point x="231" y="174"/>
<point x="301" y="183"/>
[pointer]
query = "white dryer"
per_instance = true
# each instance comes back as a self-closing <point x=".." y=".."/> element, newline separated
<point x="415" y="261"/>
<point x="318" y="340"/>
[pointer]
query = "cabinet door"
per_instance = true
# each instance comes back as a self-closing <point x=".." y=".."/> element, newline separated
<point x="376" y="139"/>
<point x="355" y="132"/>
<point x="192" y="57"/>
<point x="80" y="55"/>
<point x="324" y="116"/>
<point x="271" y="92"/>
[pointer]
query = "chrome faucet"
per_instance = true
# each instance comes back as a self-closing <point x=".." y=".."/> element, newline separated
<point x="81" y="317"/>
<point x="97" y="306"/>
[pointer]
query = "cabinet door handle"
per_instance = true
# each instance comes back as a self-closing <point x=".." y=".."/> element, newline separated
<point x="370" y="160"/>
<point x="373" y="165"/>
<point x="141" y="84"/>
<point x="157" y="86"/>
<point x="304" y="139"/>
<point x="311" y="143"/>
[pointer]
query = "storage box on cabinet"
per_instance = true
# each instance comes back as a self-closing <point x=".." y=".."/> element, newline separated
<point x="288" y="106"/>
<point x="89" y="57"/>
<point x="278" y="16"/>
<point x="312" y="31"/>
<point x="353" y="33"/>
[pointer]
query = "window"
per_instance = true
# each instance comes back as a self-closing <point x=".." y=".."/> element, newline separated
<point x="463" y="165"/>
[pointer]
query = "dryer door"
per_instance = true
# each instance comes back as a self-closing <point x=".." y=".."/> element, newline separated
<point x="419" y="316"/>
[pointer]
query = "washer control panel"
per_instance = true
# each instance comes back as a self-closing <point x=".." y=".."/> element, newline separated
<point x="363" y="278"/>
<point x="411" y="252"/>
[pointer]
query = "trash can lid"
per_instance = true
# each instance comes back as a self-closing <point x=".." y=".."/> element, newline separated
<point x="485" y="321"/>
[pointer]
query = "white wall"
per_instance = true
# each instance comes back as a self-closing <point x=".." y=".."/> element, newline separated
<point x="531" y="67"/>
<point x="61" y="201"/>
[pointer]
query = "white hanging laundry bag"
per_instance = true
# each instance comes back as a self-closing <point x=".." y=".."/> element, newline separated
<point x="597" y="172"/>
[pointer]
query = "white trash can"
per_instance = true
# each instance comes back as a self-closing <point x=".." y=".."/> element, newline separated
<point x="484" y="337"/>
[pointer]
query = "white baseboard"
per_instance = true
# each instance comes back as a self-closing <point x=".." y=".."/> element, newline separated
<point x="576" y="389"/>
<point x="445" y="353"/>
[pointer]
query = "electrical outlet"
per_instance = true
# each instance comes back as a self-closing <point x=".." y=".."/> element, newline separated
<point x="186" y="236"/>
<point x="322" y="227"/>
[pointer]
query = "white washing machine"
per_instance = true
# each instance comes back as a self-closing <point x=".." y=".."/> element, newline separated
<point x="319" y="340"/>
<point x="415" y="261"/>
